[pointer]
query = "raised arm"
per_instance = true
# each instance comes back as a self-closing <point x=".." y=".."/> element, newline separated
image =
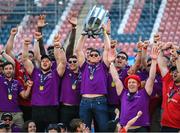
<point x="161" y="60"/>
<point x="7" y="57"/>
<point x="152" y="73"/>
<point x="37" y="54"/>
<point x="59" y="55"/>
<point x="10" y="42"/>
<point x="133" y="120"/>
<point x="70" y="48"/>
<point x="25" y="58"/>
<point x="107" y="43"/>
<point x="144" y="54"/>
<point x="178" y="63"/>
<point x="115" y="76"/>
<point x="79" y="50"/>
<point x="25" y="93"/>
<point x="41" y="23"/>
<point x="139" y="55"/>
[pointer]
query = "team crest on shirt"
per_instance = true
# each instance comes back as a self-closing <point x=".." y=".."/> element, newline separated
<point x="14" y="85"/>
<point x="5" y="82"/>
<point x="155" y="81"/>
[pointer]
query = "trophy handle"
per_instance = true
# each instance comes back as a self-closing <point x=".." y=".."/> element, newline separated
<point x="105" y="19"/>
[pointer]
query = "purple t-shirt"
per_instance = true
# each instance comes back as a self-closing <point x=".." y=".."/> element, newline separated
<point x="54" y="65"/>
<point x="95" y="83"/>
<point x="70" y="87"/>
<point x="129" y="108"/>
<point x="15" y="128"/>
<point x="112" y="96"/>
<point x="13" y="88"/>
<point x="157" y="88"/>
<point x="45" y="88"/>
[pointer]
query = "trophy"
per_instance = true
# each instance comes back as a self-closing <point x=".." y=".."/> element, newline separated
<point x="94" y="20"/>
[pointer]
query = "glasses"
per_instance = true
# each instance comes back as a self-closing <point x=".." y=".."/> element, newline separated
<point x="94" y="55"/>
<point x="72" y="61"/>
<point x="122" y="57"/>
<point x="112" y="46"/>
<point x="7" y="119"/>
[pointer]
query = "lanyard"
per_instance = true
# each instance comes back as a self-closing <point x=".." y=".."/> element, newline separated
<point x="131" y="96"/>
<point x="9" y="85"/>
<point x="92" y="70"/>
<point x="74" y="80"/>
<point x="43" y="78"/>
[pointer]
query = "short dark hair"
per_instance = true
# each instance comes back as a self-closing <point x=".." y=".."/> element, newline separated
<point x="72" y="56"/>
<point x="122" y="52"/>
<point x="95" y="50"/>
<point x="74" y="124"/>
<point x="45" y="56"/>
<point x="53" y="126"/>
<point x="30" y="51"/>
<point x="7" y="63"/>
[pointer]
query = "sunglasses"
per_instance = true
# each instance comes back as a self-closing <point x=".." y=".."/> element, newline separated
<point x="73" y="61"/>
<point x="8" y="119"/>
<point x="122" y="57"/>
<point x="94" y="55"/>
<point x="113" y="46"/>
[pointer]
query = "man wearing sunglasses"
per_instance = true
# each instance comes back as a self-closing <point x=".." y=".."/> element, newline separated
<point x="70" y="91"/>
<point x="94" y="84"/>
<point x="7" y="119"/>
<point x="122" y="68"/>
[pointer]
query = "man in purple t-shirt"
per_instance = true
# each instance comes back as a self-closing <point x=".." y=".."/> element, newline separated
<point x="133" y="98"/>
<point x="113" y="98"/>
<point x="70" y="92"/>
<point x="46" y="85"/>
<point x="94" y="84"/>
<point x="10" y="89"/>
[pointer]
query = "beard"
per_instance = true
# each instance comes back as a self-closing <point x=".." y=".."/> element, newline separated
<point x="8" y="75"/>
<point x="46" y="69"/>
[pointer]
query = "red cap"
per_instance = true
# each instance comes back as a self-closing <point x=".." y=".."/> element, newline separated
<point x="136" y="77"/>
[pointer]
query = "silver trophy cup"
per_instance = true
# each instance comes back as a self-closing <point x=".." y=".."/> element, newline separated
<point x="94" y="20"/>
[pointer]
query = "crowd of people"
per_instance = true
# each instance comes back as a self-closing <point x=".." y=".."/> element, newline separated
<point x="72" y="90"/>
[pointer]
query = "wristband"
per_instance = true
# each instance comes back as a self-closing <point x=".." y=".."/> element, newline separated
<point x="104" y="31"/>
<point x="2" y="52"/>
<point x="112" y="63"/>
